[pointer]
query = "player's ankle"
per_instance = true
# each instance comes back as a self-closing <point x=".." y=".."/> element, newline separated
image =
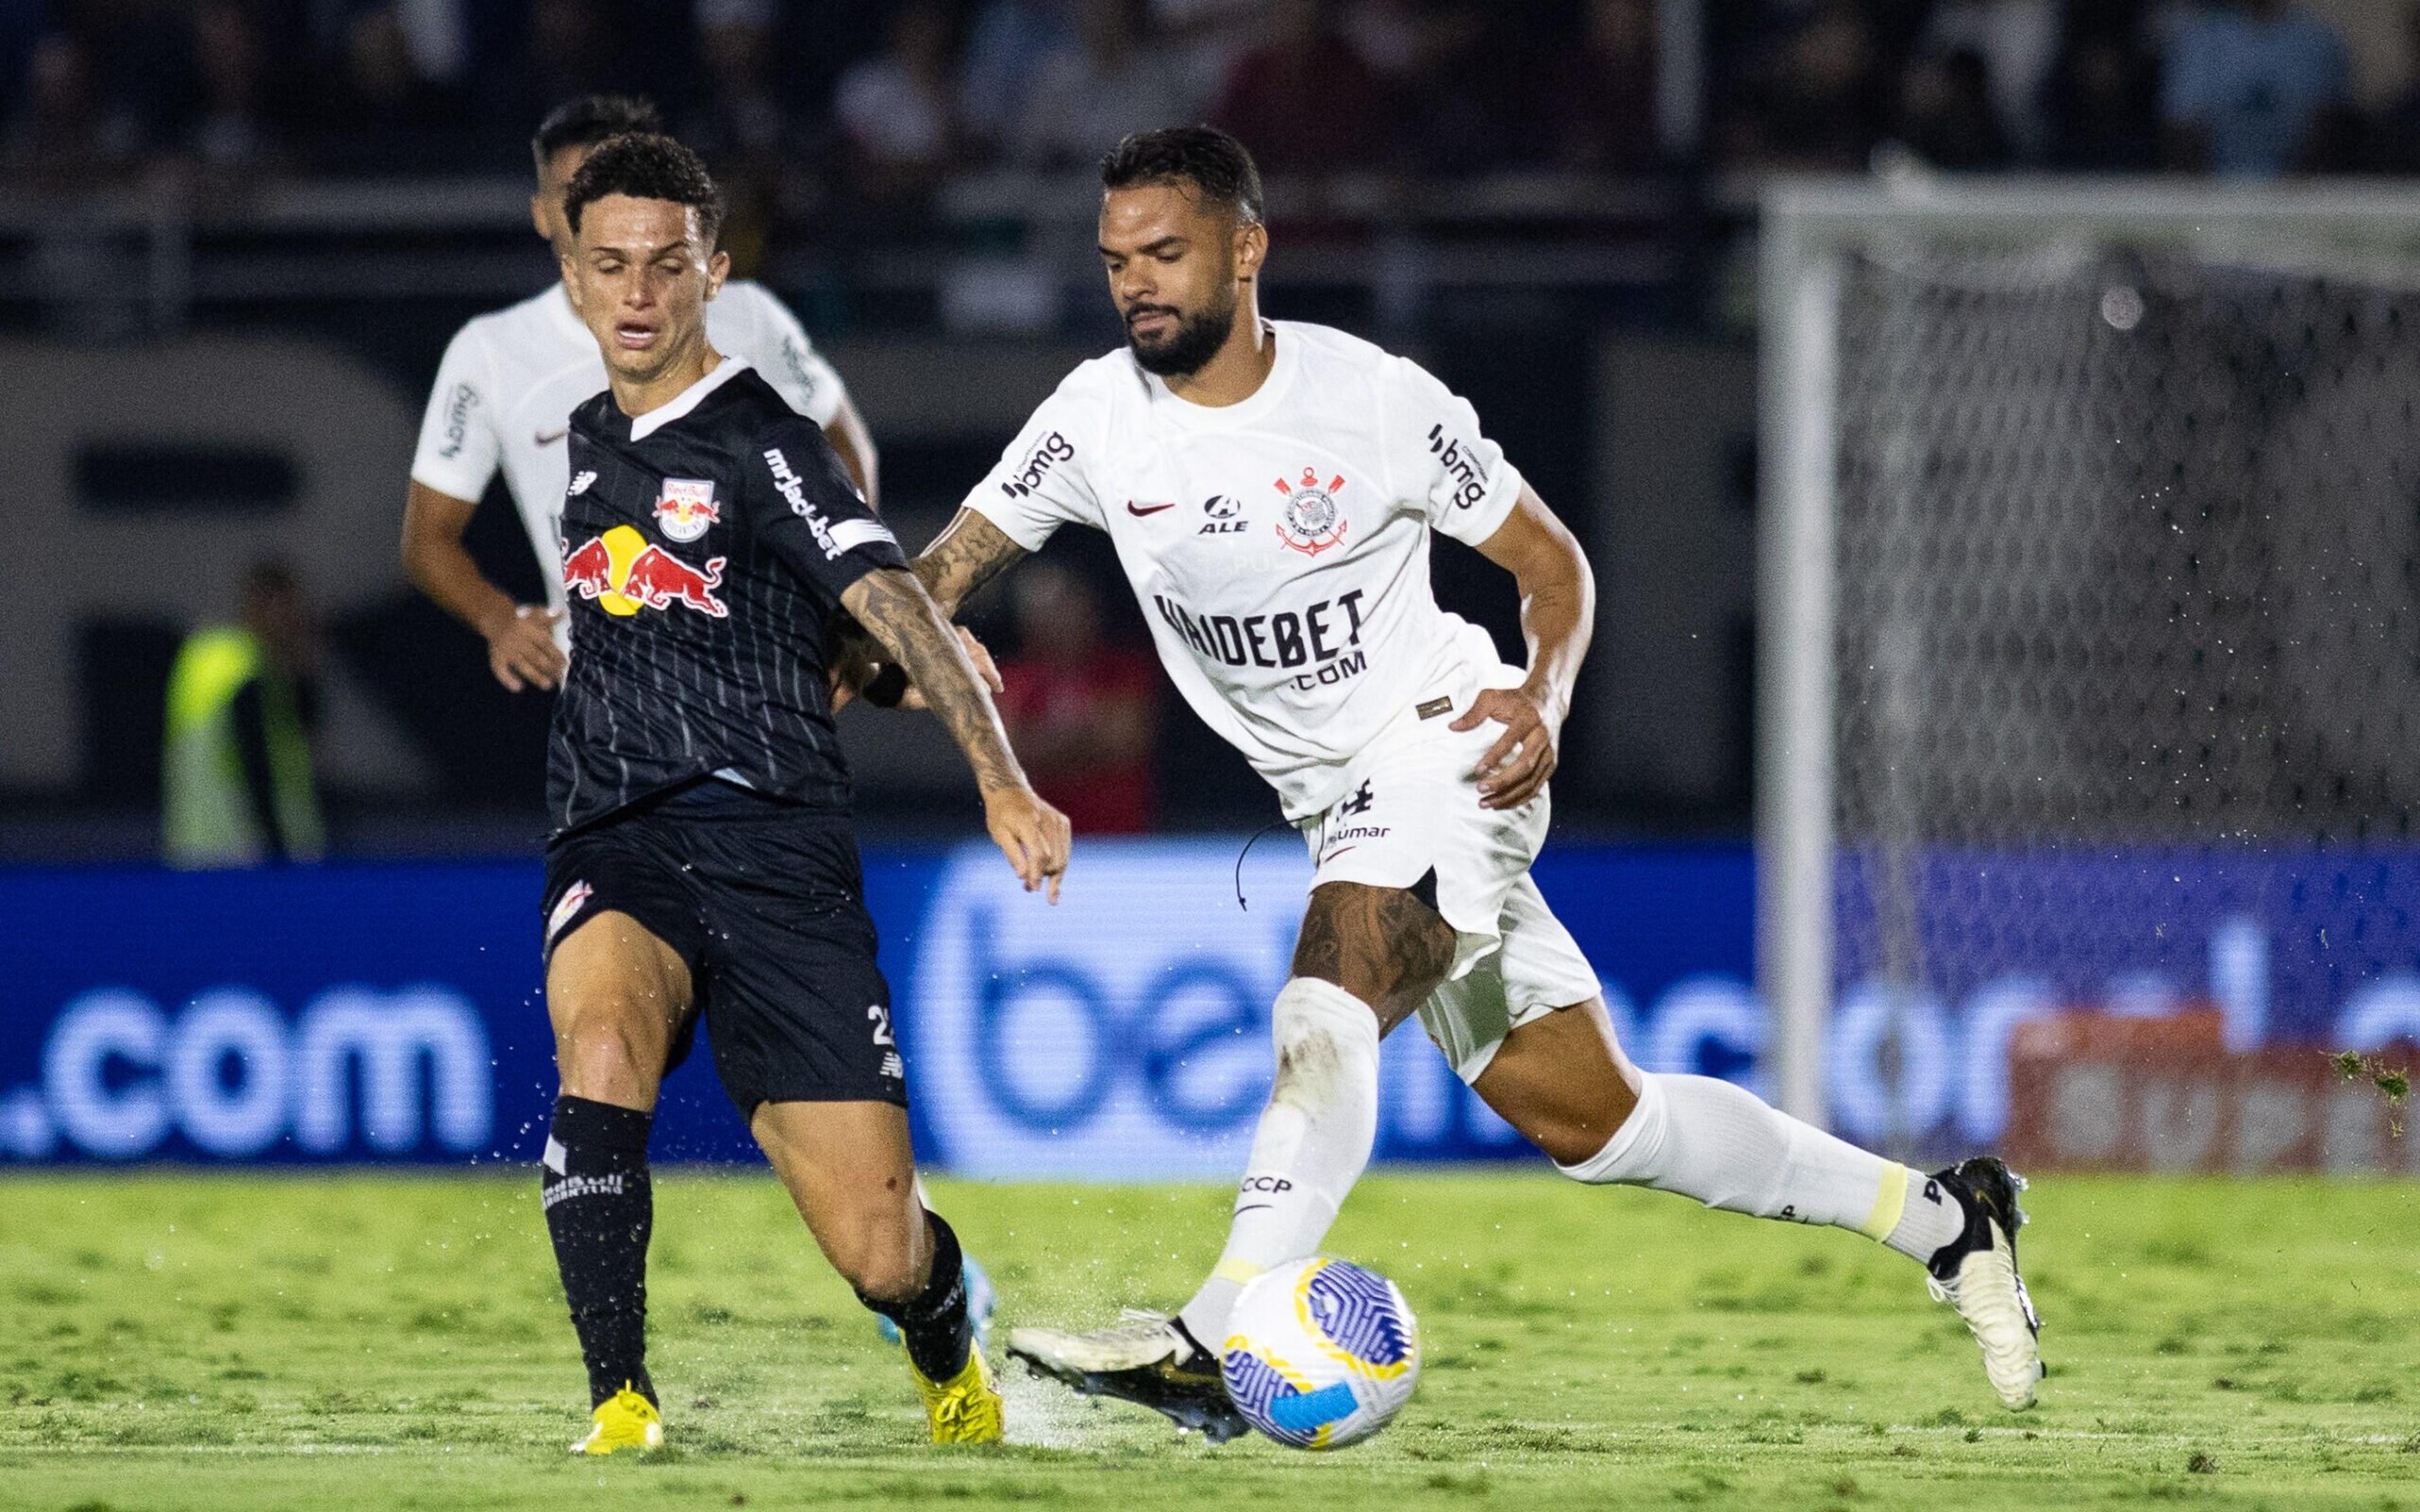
<point x="1935" y="1220"/>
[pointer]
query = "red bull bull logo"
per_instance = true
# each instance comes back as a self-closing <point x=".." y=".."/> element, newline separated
<point x="686" y="508"/>
<point x="623" y="572"/>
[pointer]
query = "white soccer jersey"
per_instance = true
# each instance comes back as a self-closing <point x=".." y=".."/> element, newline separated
<point x="511" y="379"/>
<point x="1280" y="546"/>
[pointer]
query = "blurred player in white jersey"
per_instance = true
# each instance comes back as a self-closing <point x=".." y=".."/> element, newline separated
<point x="1271" y="489"/>
<point x="504" y="395"/>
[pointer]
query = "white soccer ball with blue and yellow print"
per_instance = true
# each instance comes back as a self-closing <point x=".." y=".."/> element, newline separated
<point x="1320" y="1353"/>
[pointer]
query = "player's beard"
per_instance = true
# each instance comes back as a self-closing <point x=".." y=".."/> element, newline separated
<point x="1196" y="339"/>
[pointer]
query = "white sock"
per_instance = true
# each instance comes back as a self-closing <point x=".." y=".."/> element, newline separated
<point x="1718" y="1143"/>
<point x="1313" y="1140"/>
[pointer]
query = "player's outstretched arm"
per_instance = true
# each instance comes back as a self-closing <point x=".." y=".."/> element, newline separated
<point x="521" y="637"/>
<point x="895" y="609"/>
<point x="971" y="554"/>
<point x="1557" y="616"/>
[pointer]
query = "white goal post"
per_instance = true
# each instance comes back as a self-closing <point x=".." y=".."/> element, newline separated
<point x="1987" y="406"/>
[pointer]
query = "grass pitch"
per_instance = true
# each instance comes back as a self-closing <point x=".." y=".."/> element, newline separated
<point x="179" y="1341"/>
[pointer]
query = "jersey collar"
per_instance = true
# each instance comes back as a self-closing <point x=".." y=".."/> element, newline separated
<point x="688" y="399"/>
<point x="1271" y="392"/>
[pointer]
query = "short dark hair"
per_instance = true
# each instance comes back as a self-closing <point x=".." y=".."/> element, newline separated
<point x="590" y="119"/>
<point x="1219" y="168"/>
<point x="645" y="165"/>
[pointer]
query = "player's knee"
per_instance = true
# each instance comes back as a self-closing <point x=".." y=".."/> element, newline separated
<point x="1608" y="1139"/>
<point x="605" y="1052"/>
<point x="1571" y="1122"/>
<point x="1571" y="1137"/>
<point x="1388" y="947"/>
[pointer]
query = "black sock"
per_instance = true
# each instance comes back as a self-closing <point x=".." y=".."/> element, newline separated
<point x="600" y="1209"/>
<point x="935" y="1321"/>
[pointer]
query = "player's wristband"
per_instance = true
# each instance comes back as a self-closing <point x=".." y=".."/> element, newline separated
<point x="889" y="687"/>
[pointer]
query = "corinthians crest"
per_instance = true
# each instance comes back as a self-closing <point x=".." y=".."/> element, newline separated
<point x="1311" y="521"/>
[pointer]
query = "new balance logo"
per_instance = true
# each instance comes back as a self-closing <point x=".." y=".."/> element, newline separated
<point x="894" y="1068"/>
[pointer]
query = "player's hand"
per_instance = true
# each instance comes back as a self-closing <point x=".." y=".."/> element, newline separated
<point x="522" y="649"/>
<point x="852" y="664"/>
<point x="977" y="653"/>
<point x="1515" y="768"/>
<point x="1031" y="833"/>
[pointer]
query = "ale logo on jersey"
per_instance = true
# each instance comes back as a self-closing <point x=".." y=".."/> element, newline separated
<point x="1225" y="516"/>
<point x="1312" y="522"/>
<point x="686" y="508"/>
<point x="624" y="572"/>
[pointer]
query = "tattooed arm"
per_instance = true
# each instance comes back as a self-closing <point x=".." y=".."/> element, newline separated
<point x="961" y="560"/>
<point x="971" y="554"/>
<point x="896" y="611"/>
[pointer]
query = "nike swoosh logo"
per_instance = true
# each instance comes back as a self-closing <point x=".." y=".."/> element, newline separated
<point x="548" y="437"/>
<point x="1141" y="510"/>
<point x="1252" y="1208"/>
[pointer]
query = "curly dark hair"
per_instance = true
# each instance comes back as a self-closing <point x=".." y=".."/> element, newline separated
<point x="645" y="165"/>
<point x="1218" y="167"/>
<point x="590" y="119"/>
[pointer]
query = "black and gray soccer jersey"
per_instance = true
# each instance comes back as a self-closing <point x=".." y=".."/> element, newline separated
<point x="705" y="547"/>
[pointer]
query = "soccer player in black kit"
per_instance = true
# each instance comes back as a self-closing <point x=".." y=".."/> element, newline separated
<point x="703" y="862"/>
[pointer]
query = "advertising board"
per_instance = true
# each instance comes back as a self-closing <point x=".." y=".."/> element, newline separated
<point x="394" y="1013"/>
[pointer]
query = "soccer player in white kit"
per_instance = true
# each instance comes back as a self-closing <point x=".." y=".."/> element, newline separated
<point x="1271" y="489"/>
<point x="505" y="391"/>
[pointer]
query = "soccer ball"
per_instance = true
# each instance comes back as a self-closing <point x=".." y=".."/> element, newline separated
<point x="1320" y="1353"/>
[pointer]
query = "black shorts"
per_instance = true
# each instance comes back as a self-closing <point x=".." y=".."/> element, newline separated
<point x="765" y="902"/>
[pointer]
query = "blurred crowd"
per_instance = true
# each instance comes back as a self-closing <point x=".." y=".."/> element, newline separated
<point x="876" y="102"/>
<point x="2239" y="88"/>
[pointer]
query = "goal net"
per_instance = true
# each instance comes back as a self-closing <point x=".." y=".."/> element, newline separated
<point x="2090" y="625"/>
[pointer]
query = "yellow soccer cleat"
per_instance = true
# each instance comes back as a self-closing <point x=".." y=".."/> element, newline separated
<point x="965" y="1409"/>
<point x="626" y="1420"/>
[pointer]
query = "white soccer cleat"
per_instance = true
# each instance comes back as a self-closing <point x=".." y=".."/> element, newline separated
<point x="1138" y="1340"/>
<point x="1145" y="1358"/>
<point x="1977" y="1275"/>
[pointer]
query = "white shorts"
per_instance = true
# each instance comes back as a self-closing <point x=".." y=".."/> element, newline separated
<point x="1411" y="809"/>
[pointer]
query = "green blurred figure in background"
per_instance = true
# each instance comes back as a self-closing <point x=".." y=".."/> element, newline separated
<point x="236" y="782"/>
